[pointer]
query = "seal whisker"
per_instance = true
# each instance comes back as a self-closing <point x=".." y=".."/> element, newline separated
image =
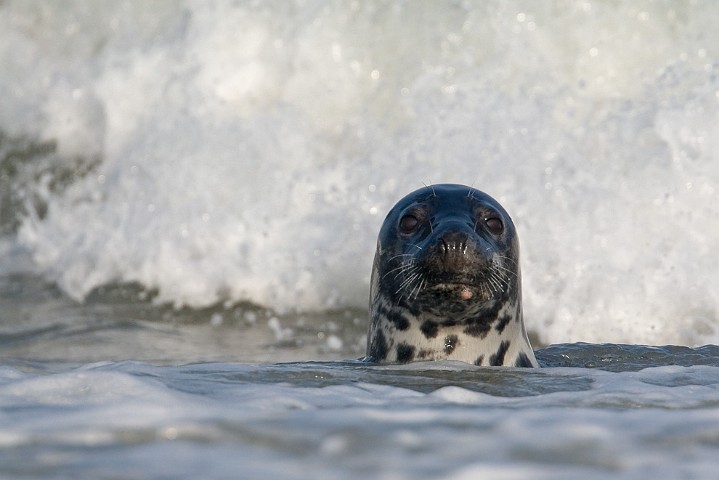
<point x="512" y="261"/>
<point x="402" y="268"/>
<point x="404" y="276"/>
<point x="398" y="271"/>
<point x="430" y="187"/>
<point x="421" y="286"/>
<point x="498" y="272"/>
<point x="496" y="286"/>
<point x="407" y="281"/>
<point x="503" y="282"/>
<point x="505" y="270"/>
<point x="418" y="288"/>
<point x="400" y="255"/>
<point x="410" y="285"/>
<point x="410" y="270"/>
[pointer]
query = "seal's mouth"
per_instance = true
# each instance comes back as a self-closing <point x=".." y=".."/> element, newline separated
<point x="461" y="291"/>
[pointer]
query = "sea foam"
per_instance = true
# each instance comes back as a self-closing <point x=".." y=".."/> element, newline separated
<point x="248" y="152"/>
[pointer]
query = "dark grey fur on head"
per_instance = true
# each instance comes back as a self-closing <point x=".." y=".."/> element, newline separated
<point x="446" y="283"/>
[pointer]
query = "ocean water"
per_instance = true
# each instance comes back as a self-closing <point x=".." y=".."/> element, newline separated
<point x="349" y="420"/>
<point x="190" y="194"/>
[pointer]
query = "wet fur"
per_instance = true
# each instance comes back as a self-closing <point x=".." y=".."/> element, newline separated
<point x="419" y="308"/>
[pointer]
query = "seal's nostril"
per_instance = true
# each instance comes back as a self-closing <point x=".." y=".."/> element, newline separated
<point x="453" y="242"/>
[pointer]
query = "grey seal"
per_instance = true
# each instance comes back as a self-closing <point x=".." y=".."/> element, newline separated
<point x="446" y="282"/>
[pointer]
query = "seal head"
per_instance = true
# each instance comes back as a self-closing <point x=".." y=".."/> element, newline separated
<point x="446" y="282"/>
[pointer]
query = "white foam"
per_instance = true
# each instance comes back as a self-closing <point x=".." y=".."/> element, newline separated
<point x="250" y="152"/>
<point x="268" y="419"/>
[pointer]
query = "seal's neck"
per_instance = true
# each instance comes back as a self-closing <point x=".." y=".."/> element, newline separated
<point x="493" y="337"/>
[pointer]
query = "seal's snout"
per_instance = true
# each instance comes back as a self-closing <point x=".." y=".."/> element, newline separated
<point x="453" y="243"/>
<point x="451" y="250"/>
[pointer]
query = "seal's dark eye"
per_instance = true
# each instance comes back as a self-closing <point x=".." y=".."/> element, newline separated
<point x="494" y="225"/>
<point x="408" y="224"/>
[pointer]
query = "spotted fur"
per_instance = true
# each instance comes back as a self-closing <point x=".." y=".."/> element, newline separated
<point x="446" y="282"/>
